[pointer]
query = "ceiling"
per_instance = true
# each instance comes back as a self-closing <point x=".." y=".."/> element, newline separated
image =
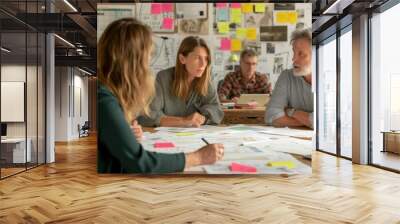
<point x="79" y="27"/>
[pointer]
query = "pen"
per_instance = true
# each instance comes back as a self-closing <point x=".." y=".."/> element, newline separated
<point x="205" y="141"/>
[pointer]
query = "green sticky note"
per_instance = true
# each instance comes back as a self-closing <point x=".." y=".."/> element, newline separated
<point x="223" y="27"/>
<point x="236" y="16"/>
<point x="259" y="7"/>
<point x="185" y="134"/>
<point x="288" y="164"/>
<point x="241" y="33"/>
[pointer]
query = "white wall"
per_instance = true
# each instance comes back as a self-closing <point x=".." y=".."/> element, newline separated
<point x="69" y="82"/>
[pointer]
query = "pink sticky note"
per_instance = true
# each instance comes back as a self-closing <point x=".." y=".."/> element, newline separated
<point x="167" y="7"/>
<point x="225" y="44"/>
<point x="237" y="167"/>
<point x="155" y="8"/>
<point x="164" y="145"/>
<point x="220" y="5"/>
<point x="235" y="5"/>
<point x="168" y="23"/>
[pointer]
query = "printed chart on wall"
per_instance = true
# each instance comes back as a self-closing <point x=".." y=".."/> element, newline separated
<point x="107" y="13"/>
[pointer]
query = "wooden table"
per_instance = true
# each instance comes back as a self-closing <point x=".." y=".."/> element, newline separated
<point x="244" y="116"/>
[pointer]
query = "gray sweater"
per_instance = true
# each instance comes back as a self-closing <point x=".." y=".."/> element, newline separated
<point x="290" y="91"/>
<point x="167" y="104"/>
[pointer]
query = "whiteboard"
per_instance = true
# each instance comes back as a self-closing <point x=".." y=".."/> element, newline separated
<point x="12" y="101"/>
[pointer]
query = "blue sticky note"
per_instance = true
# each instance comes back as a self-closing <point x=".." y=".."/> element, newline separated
<point x="222" y="14"/>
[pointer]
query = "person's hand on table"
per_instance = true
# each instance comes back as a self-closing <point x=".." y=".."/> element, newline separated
<point x="137" y="130"/>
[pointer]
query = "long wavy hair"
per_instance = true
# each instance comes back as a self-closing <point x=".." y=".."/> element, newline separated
<point x="123" y="57"/>
<point x="180" y="88"/>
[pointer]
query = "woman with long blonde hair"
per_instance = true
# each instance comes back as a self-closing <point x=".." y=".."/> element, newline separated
<point x="125" y="90"/>
<point x="185" y="95"/>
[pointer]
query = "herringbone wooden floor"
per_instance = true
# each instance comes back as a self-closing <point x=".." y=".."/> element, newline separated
<point x="70" y="191"/>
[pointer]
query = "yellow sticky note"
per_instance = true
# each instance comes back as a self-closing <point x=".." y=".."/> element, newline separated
<point x="259" y="7"/>
<point x="251" y="33"/>
<point x="241" y="33"/>
<point x="288" y="164"/>
<point x="236" y="15"/>
<point x="185" y="134"/>
<point x="236" y="45"/>
<point x="286" y="17"/>
<point x="223" y="27"/>
<point x="247" y="7"/>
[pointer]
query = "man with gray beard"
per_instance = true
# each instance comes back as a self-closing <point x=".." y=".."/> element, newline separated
<point x="292" y="101"/>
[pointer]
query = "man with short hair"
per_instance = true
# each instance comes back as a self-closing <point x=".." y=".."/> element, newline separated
<point x="292" y="101"/>
<point x="245" y="80"/>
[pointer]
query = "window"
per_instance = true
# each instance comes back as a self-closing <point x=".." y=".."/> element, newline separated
<point x="327" y="95"/>
<point x="346" y="93"/>
<point x="385" y="84"/>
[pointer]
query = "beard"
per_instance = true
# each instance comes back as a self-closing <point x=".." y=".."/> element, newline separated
<point x="302" y="72"/>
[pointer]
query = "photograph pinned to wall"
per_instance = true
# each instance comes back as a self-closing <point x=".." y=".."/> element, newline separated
<point x="300" y="13"/>
<point x="254" y="45"/>
<point x="273" y="33"/>
<point x="270" y="48"/>
<point x="284" y="6"/>
<point x="159" y="16"/>
<point x="218" y="58"/>
<point x="300" y="26"/>
<point x="192" y="18"/>
<point x="280" y="62"/>
<point x="260" y="19"/>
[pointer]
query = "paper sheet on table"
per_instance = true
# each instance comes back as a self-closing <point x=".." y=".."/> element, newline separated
<point x="288" y="132"/>
<point x="222" y="167"/>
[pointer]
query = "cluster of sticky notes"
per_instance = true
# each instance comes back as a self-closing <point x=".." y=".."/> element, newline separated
<point x="288" y="164"/>
<point x="230" y="44"/>
<point x="286" y="17"/>
<point x="238" y="167"/>
<point x="163" y="145"/>
<point x="158" y="8"/>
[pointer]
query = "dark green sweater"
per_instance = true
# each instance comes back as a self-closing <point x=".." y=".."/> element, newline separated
<point x="118" y="149"/>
